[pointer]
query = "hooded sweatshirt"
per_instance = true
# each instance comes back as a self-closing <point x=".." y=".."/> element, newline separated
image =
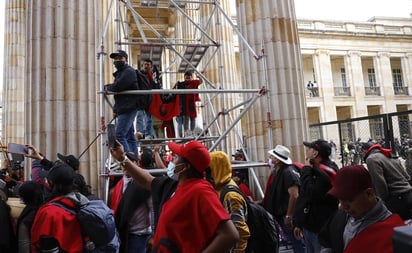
<point x="233" y="202"/>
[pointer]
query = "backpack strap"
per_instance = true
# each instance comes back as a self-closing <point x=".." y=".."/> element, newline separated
<point x="229" y="188"/>
<point x="329" y="172"/>
<point x="61" y="204"/>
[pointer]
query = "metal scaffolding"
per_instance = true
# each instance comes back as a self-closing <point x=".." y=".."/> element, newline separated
<point x="147" y="37"/>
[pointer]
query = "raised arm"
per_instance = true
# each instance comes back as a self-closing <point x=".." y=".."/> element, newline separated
<point x="140" y="175"/>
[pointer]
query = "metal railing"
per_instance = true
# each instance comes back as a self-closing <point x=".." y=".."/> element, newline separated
<point x="372" y="91"/>
<point x="342" y="91"/>
<point x="400" y="90"/>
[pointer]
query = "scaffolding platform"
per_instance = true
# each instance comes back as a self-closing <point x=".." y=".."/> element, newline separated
<point x="193" y="54"/>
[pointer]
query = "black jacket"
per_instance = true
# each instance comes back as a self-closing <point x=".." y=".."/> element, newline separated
<point x="314" y="205"/>
<point x="278" y="196"/>
<point x="125" y="79"/>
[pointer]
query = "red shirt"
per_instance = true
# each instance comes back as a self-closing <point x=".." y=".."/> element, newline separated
<point x="190" y="217"/>
<point x="375" y="238"/>
<point x="116" y="196"/>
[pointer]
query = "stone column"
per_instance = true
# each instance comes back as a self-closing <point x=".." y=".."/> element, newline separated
<point x="62" y="103"/>
<point x="382" y="64"/>
<point x="273" y="23"/>
<point x="353" y="64"/>
<point x="323" y="71"/>
<point x="406" y="62"/>
<point x="222" y="73"/>
<point x="14" y="71"/>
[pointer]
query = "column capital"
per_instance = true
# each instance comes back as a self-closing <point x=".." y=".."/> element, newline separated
<point x="354" y="53"/>
<point x="383" y="54"/>
<point x="322" y="51"/>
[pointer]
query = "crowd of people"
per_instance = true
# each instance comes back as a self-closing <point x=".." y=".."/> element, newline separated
<point x="317" y="206"/>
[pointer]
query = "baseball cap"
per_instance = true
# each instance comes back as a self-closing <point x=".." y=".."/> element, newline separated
<point x="70" y="160"/>
<point x="193" y="151"/>
<point x="61" y="174"/>
<point x="322" y="146"/>
<point x="239" y="153"/>
<point x="349" y="181"/>
<point x="120" y="53"/>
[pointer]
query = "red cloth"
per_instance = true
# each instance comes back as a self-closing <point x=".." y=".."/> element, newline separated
<point x="57" y="222"/>
<point x="386" y="152"/>
<point x="117" y="195"/>
<point x="245" y="190"/>
<point x="164" y="111"/>
<point x="190" y="105"/>
<point x="268" y="183"/>
<point x="190" y="217"/>
<point x="170" y="129"/>
<point x="375" y="238"/>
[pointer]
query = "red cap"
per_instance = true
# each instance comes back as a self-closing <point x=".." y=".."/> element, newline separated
<point x="349" y="181"/>
<point x="193" y="151"/>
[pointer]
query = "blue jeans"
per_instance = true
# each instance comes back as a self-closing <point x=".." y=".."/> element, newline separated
<point x="137" y="243"/>
<point x="183" y="121"/>
<point x="144" y="123"/>
<point x="311" y="241"/>
<point x="297" y="244"/>
<point x="125" y="131"/>
<point x="179" y="120"/>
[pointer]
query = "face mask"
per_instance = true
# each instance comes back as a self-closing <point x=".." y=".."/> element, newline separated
<point x="171" y="171"/>
<point x="119" y="64"/>
<point x="271" y="166"/>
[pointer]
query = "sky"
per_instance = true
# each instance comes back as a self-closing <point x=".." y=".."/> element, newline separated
<point x="354" y="10"/>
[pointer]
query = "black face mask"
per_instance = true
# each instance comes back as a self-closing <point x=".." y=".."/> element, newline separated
<point x="119" y="64"/>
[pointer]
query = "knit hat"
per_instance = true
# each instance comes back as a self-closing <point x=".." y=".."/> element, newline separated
<point x="349" y="181"/>
<point x="194" y="152"/>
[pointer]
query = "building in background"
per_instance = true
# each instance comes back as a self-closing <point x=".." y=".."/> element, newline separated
<point x="357" y="69"/>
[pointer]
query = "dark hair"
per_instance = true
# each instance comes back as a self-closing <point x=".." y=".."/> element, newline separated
<point x="194" y="173"/>
<point x="31" y="193"/>
<point x="148" y="60"/>
<point x="189" y="73"/>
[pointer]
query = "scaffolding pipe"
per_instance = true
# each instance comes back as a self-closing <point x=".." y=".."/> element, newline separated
<point x="100" y="56"/>
<point x="252" y="172"/>
<point x="268" y="113"/>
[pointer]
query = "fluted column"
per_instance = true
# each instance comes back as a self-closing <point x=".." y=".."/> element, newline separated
<point x="353" y="64"/>
<point x="382" y="64"/>
<point x="323" y="69"/>
<point x="406" y="62"/>
<point x="63" y="80"/>
<point x="274" y="24"/>
<point x="14" y="70"/>
<point x="222" y="71"/>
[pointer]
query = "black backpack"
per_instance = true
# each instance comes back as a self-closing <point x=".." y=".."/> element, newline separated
<point x="143" y="100"/>
<point x="264" y="232"/>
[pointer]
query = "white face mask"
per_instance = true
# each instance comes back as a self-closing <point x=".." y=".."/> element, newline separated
<point x="271" y="166"/>
<point x="171" y="171"/>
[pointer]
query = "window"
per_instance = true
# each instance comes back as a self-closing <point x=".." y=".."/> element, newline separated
<point x="397" y="78"/>
<point x="343" y="76"/>
<point x="371" y="78"/>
